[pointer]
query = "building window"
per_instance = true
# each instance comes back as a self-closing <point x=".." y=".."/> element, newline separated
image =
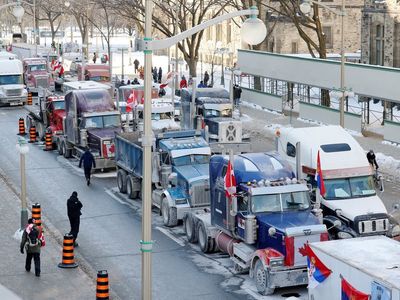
<point x="219" y="32"/>
<point x="327" y="30"/>
<point x="228" y="32"/>
<point x="295" y="48"/>
<point x="379" y="44"/>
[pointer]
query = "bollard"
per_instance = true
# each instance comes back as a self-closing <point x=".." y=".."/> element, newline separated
<point x="68" y="260"/>
<point x="48" y="142"/>
<point x="102" y="291"/>
<point x="29" y="101"/>
<point x="21" y="126"/>
<point x="37" y="214"/>
<point x="32" y="134"/>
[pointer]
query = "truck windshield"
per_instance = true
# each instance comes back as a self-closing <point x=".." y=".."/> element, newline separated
<point x="161" y="116"/>
<point x="59" y="105"/>
<point x="211" y="113"/>
<point x="190" y="160"/>
<point x="37" y="67"/>
<point x="345" y="188"/>
<point x="102" y="121"/>
<point x="280" y="202"/>
<point x="10" y="79"/>
<point x="100" y="78"/>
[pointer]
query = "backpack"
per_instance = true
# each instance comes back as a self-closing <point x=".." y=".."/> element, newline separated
<point x="33" y="237"/>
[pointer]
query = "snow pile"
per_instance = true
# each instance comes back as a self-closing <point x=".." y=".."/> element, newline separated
<point x="391" y="144"/>
<point x="258" y="107"/>
<point x="272" y="128"/>
<point x="388" y="164"/>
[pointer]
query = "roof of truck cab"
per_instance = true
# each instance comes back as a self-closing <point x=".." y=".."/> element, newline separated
<point x="183" y="143"/>
<point x="378" y="256"/>
<point x="210" y="100"/>
<point x="85" y="85"/>
<point x="11" y="67"/>
<point x="186" y="94"/>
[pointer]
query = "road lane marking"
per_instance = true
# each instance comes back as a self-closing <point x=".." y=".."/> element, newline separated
<point x="169" y="234"/>
<point x="112" y="195"/>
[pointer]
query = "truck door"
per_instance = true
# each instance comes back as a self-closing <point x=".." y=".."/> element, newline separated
<point x="219" y="209"/>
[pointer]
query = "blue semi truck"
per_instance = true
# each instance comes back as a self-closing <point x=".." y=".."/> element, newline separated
<point x="264" y="227"/>
<point x="180" y="171"/>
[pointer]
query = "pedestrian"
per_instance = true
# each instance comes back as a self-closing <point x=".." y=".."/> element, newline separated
<point x="32" y="240"/>
<point x="135" y="81"/>
<point x="372" y="159"/>
<point x="155" y="74"/>
<point x="201" y="84"/>
<point x="128" y="82"/>
<point x="94" y="57"/>
<point x="190" y="81"/>
<point x="136" y="63"/>
<point x="88" y="161"/>
<point x="183" y="83"/>
<point x="206" y="78"/>
<point x="237" y="92"/>
<point x="159" y="75"/>
<point x="74" y="207"/>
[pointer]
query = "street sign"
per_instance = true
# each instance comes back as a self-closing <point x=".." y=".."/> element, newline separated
<point x="47" y="33"/>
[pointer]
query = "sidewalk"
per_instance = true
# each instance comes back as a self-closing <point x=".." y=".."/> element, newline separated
<point x="388" y="155"/>
<point x="54" y="283"/>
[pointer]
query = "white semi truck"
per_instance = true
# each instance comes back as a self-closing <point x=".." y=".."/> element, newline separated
<point x="350" y="197"/>
<point x="12" y="89"/>
<point x="370" y="265"/>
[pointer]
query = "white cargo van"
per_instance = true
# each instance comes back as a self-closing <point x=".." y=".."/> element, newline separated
<point x="12" y="89"/>
<point x="350" y="191"/>
<point x="371" y="265"/>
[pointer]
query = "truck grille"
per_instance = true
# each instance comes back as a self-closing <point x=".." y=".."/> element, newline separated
<point x="14" y="92"/>
<point x="200" y="194"/>
<point x="373" y="226"/>
<point x="42" y="82"/>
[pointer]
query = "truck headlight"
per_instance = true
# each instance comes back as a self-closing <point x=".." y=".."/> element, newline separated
<point x="344" y="235"/>
<point x="275" y="262"/>
<point x="395" y="230"/>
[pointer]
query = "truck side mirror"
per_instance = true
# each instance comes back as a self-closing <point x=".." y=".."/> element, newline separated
<point x="271" y="231"/>
<point x="173" y="179"/>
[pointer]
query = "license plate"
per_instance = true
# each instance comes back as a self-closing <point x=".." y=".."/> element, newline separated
<point x="15" y="103"/>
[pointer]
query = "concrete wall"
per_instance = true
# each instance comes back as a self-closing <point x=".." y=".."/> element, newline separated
<point x="266" y="100"/>
<point x="328" y="115"/>
<point x="391" y="131"/>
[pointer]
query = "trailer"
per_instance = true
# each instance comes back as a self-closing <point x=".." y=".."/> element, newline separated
<point x="370" y="265"/>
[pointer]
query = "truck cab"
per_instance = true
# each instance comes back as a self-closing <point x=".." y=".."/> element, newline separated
<point x="12" y="89"/>
<point x="162" y="117"/>
<point x="350" y="197"/>
<point x="37" y="75"/>
<point x="213" y="109"/>
<point x="95" y="72"/>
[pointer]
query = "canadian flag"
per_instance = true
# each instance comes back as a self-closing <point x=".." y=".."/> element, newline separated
<point x="230" y="182"/>
<point x="130" y="102"/>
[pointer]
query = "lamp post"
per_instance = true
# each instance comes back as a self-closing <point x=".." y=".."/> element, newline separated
<point x="305" y="8"/>
<point x="222" y="51"/>
<point x="253" y="32"/>
<point x="23" y="149"/>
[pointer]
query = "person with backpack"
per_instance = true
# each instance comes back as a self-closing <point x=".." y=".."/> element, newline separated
<point x="32" y="240"/>
<point x="88" y="161"/>
<point x="74" y="207"/>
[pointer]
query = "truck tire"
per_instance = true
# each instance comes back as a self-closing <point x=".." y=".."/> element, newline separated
<point x="190" y="229"/>
<point x="59" y="147"/>
<point x="121" y="180"/>
<point x="66" y="152"/>
<point x="261" y="277"/>
<point x="129" y="188"/>
<point x="206" y="242"/>
<point x="169" y="215"/>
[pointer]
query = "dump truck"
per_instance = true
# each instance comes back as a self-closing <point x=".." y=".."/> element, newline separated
<point x="263" y="224"/>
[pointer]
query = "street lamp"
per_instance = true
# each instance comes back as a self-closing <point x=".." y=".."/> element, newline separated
<point x="222" y="51"/>
<point x="147" y="138"/>
<point x="23" y="149"/>
<point x="305" y="8"/>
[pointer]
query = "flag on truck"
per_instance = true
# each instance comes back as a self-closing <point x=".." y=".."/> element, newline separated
<point x="317" y="271"/>
<point x="319" y="178"/>
<point x="230" y="181"/>
<point x="350" y="293"/>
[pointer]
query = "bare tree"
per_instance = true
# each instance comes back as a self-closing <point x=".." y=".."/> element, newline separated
<point x="186" y="13"/>
<point x="51" y="12"/>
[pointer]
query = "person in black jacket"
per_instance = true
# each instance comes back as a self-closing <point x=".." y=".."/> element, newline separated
<point x="88" y="161"/>
<point x="372" y="159"/>
<point x="74" y="207"/>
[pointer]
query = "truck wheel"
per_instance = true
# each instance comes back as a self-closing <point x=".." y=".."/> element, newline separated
<point x="66" y="152"/>
<point x="261" y="276"/>
<point x="129" y="188"/>
<point x="59" y="147"/>
<point x="169" y="214"/>
<point x="121" y="180"/>
<point x="189" y="227"/>
<point x="206" y="242"/>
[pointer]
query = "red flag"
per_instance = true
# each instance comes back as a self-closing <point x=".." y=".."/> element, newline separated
<point x="230" y="182"/>
<point x="130" y="102"/>
<point x="350" y="293"/>
<point x="319" y="178"/>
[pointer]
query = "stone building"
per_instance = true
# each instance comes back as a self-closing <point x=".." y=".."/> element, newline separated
<point x="380" y="34"/>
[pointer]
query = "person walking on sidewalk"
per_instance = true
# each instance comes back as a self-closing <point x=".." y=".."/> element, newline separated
<point x="32" y="240"/>
<point x="88" y="161"/>
<point x="206" y="78"/>
<point x="372" y="159"/>
<point x="74" y="207"/>
<point x="136" y="63"/>
<point x="94" y="57"/>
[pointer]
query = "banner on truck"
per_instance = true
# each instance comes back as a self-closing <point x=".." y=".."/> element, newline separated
<point x="380" y="292"/>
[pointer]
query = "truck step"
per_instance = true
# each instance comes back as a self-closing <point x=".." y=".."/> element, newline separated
<point x="240" y="266"/>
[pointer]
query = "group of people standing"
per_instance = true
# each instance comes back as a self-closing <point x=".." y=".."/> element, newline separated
<point x="203" y="83"/>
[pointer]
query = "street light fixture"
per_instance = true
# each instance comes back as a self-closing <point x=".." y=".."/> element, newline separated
<point x="147" y="137"/>
<point x="23" y="149"/>
<point x="305" y="8"/>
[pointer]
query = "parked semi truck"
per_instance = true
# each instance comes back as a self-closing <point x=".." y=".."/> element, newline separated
<point x="370" y="265"/>
<point x="213" y="109"/>
<point x="37" y="75"/>
<point x="12" y="89"/>
<point x="350" y="197"/>
<point x="264" y="225"/>
<point x="179" y="171"/>
<point x="47" y="115"/>
<point x="91" y="120"/>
